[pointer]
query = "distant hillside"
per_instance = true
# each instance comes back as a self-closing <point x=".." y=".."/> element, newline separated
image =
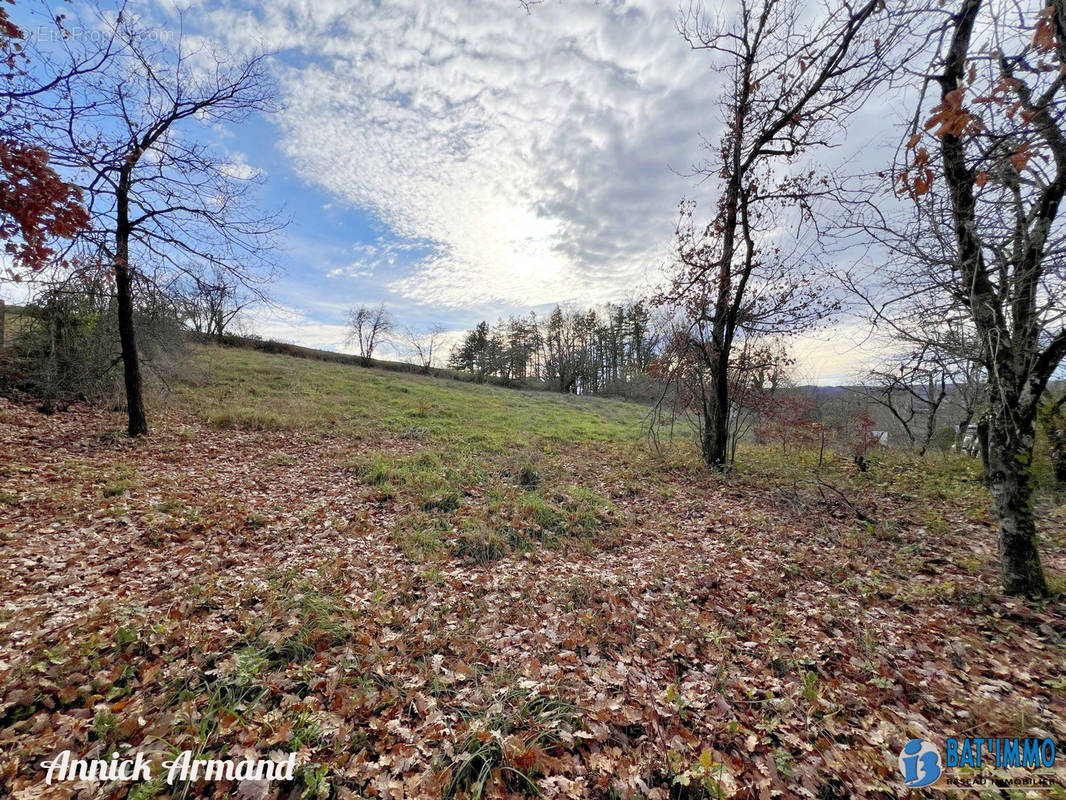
<point x="246" y="388"/>
<point x="299" y="351"/>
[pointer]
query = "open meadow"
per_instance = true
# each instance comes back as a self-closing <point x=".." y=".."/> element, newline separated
<point x="425" y="587"/>
<point x="511" y="399"/>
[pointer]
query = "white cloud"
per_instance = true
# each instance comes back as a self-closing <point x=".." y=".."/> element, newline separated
<point x="285" y="324"/>
<point x="239" y="169"/>
<point x="532" y="151"/>
<point x="368" y="258"/>
<point x="517" y="160"/>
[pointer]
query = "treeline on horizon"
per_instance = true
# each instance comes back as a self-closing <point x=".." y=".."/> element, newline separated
<point x="606" y="350"/>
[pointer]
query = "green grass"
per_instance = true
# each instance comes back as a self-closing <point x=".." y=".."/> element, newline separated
<point x="511" y="740"/>
<point x="478" y="471"/>
<point x="244" y="389"/>
<point x="120" y="482"/>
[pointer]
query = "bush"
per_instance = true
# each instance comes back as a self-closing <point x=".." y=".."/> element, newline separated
<point x="67" y="347"/>
<point x="944" y="439"/>
<point x="64" y="349"/>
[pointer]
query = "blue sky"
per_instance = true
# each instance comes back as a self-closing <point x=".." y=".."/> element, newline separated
<point x="463" y="160"/>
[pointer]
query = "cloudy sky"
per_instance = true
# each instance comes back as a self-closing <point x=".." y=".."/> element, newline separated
<point x="463" y="160"/>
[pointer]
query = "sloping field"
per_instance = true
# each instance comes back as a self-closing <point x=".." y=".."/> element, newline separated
<point x="428" y="588"/>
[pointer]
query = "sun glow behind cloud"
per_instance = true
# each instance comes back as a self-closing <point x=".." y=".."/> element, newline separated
<point x="533" y="153"/>
<point x="463" y="160"/>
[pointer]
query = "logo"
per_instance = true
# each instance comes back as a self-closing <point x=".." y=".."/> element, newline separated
<point x="974" y="761"/>
<point x="919" y="763"/>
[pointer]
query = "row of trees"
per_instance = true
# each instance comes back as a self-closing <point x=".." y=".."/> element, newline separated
<point x="606" y="350"/>
<point x="586" y="352"/>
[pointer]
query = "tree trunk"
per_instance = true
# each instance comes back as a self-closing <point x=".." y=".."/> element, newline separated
<point x="927" y="436"/>
<point x="982" y="444"/>
<point x="930" y="422"/>
<point x="961" y="428"/>
<point x="1010" y="457"/>
<point x="1060" y="467"/>
<point x="138" y="423"/>
<point x="715" y="440"/>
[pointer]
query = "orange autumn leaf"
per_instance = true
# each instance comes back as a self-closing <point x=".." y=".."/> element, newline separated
<point x="1044" y="34"/>
<point x="1021" y="157"/>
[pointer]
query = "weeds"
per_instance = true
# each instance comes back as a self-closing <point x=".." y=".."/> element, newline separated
<point x="511" y="741"/>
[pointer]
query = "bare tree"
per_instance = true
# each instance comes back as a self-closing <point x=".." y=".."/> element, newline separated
<point x="689" y="381"/>
<point x="794" y="74"/>
<point x="367" y="328"/>
<point x="759" y="373"/>
<point x="424" y="346"/>
<point x="210" y="302"/>
<point x="934" y="344"/>
<point x="912" y="389"/>
<point x="996" y="143"/>
<point x="156" y="196"/>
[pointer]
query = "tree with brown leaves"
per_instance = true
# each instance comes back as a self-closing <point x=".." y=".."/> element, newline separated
<point x="793" y="77"/>
<point x="37" y="206"/>
<point x="991" y="157"/>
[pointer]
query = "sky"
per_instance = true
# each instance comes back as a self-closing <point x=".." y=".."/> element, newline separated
<point x="464" y="160"/>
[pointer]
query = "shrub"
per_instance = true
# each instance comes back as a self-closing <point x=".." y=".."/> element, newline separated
<point x="64" y="349"/>
<point x="943" y="439"/>
<point x="67" y="347"/>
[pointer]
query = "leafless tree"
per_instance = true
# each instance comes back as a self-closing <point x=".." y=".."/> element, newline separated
<point x="757" y="369"/>
<point x="159" y="198"/>
<point x="912" y="389"/>
<point x="794" y="74"/>
<point x="935" y="367"/>
<point x="424" y="345"/>
<point x="211" y="302"/>
<point x="368" y="328"/>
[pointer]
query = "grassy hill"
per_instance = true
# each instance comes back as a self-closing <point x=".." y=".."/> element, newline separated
<point x="428" y="588"/>
<point x="423" y="440"/>
<point x="247" y="389"/>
